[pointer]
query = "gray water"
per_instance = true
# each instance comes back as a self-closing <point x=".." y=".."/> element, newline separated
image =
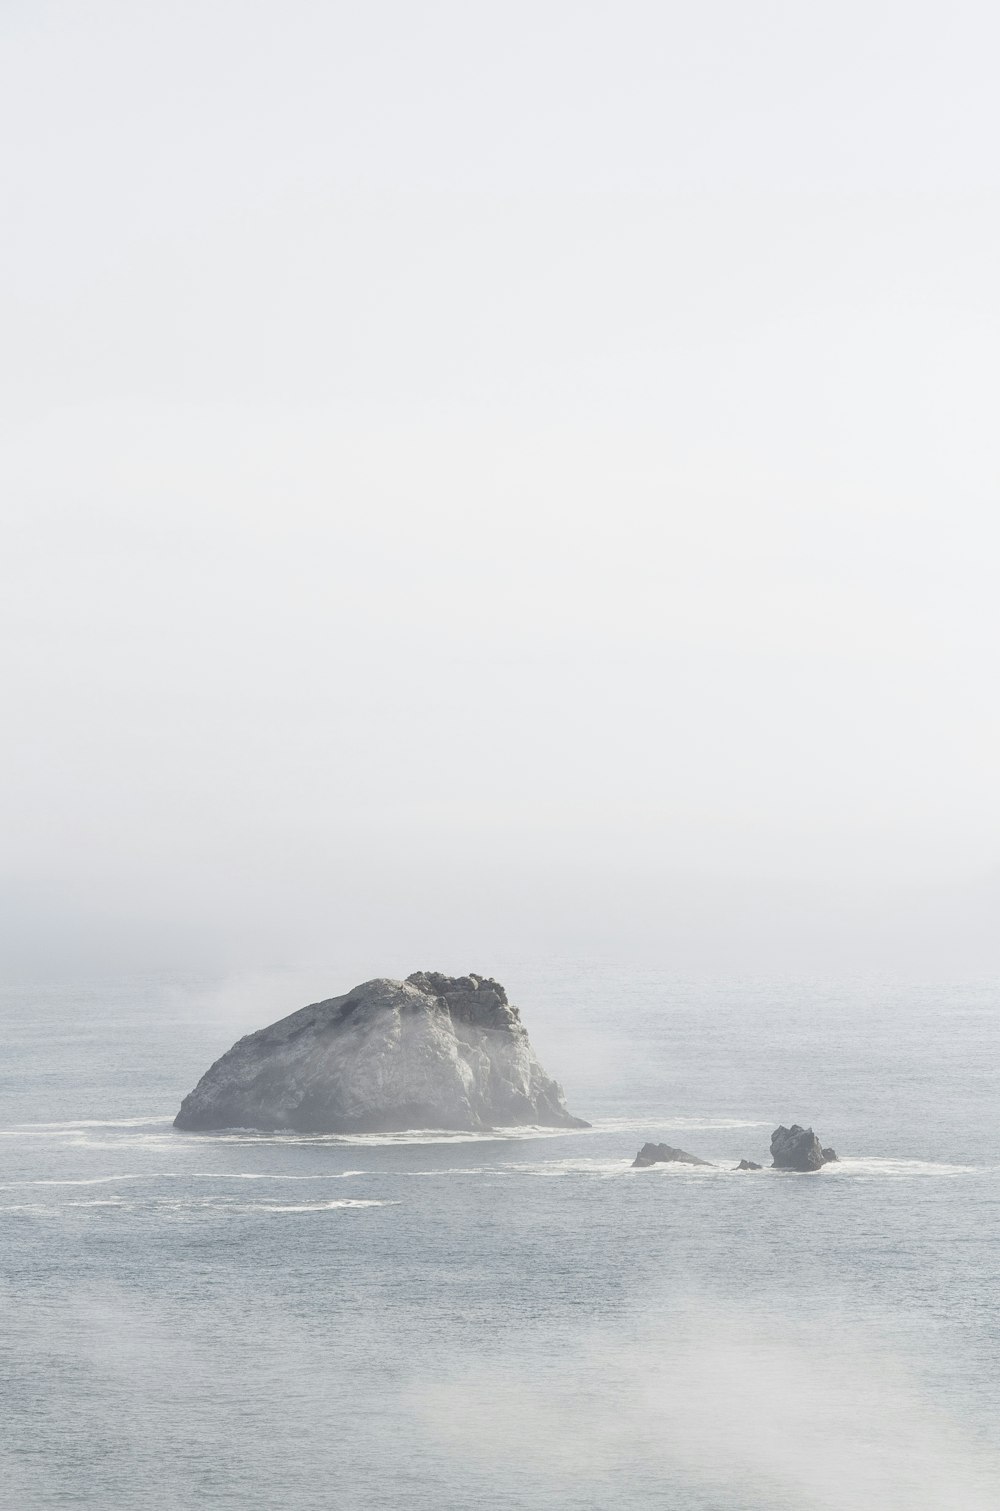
<point x="437" y="1322"/>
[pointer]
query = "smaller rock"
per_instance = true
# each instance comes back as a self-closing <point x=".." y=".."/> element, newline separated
<point x="747" y="1164"/>
<point x="663" y="1154"/>
<point x="798" y="1148"/>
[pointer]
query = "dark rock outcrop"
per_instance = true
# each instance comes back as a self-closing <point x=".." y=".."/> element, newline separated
<point x="432" y="1051"/>
<point x="747" y="1164"/>
<point x="797" y="1148"/>
<point x="663" y="1154"/>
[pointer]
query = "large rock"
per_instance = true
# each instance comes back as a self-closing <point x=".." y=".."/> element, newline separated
<point x="432" y="1051"/>
<point x="664" y="1154"/>
<point x="798" y="1148"/>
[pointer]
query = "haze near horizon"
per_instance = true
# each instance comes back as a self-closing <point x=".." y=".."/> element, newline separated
<point x="493" y="480"/>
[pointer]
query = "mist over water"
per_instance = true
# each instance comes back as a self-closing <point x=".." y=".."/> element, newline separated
<point x="686" y="1403"/>
<point x="520" y="1323"/>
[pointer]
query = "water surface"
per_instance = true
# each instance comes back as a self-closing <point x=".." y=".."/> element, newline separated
<point x="519" y="1321"/>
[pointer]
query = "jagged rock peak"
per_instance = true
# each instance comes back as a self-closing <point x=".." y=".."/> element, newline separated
<point x="433" y="1051"/>
<point x="443" y="986"/>
<point x="476" y="999"/>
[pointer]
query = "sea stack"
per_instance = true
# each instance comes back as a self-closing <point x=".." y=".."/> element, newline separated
<point x="798" y="1148"/>
<point x="664" y="1154"/>
<point x="432" y="1051"/>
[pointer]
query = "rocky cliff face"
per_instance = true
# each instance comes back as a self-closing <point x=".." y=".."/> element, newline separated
<point x="432" y="1051"/>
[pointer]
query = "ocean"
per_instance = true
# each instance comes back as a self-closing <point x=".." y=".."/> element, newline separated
<point x="518" y="1322"/>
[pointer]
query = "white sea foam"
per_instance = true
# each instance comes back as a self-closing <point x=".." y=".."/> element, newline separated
<point x="34" y="1208"/>
<point x="380" y="1140"/>
<point x="224" y="1207"/>
<point x="78" y="1129"/>
<point x="83" y="1129"/>
<point x="644" y="1124"/>
<point x="274" y="1175"/>
<point x="147" y="1177"/>
<point x="320" y="1206"/>
<point x="514" y="1168"/>
<point x="677" y="1170"/>
<point x="603" y="1167"/>
<point x="899" y="1169"/>
<point x="97" y="1123"/>
<point x="561" y="1167"/>
<point x="94" y="1180"/>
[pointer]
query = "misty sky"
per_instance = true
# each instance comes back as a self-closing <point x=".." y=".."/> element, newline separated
<point x="485" y="478"/>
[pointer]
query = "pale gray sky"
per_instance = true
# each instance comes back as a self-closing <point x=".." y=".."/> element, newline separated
<point x="487" y="479"/>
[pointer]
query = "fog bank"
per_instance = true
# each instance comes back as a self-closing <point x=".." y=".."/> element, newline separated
<point x="488" y="481"/>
